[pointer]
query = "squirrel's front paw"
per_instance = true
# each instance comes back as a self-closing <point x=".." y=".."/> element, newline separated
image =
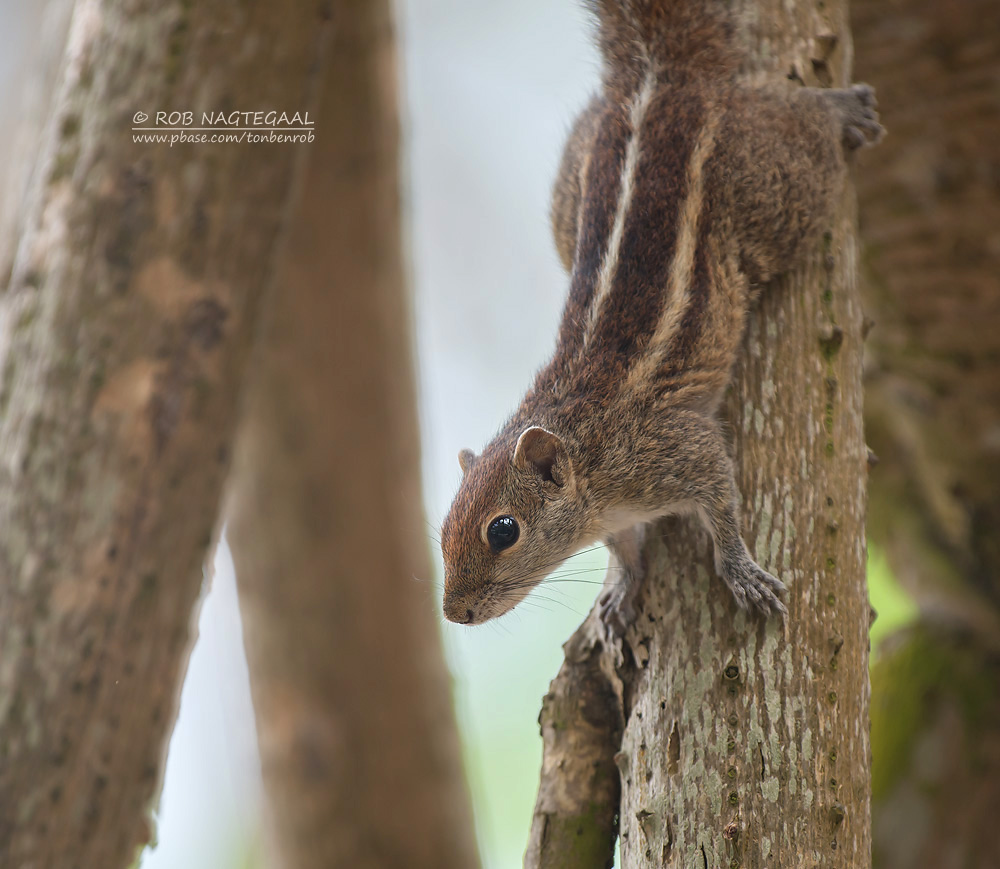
<point x="754" y="588"/>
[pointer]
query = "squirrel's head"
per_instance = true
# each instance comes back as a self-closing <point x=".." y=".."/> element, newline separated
<point x="516" y="518"/>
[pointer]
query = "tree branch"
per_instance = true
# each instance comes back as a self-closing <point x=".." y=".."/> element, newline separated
<point x="356" y="729"/>
<point x="124" y="333"/>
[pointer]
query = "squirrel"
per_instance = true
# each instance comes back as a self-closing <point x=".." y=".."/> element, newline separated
<point x="680" y="188"/>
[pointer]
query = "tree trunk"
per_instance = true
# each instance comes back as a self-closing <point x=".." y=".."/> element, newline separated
<point x="124" y="332"/>
<point x="357" y="736"/>
<point x="930" y="201"/>
<point x="746" y="743"/>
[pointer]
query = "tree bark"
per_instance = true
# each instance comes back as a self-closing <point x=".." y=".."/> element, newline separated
<point x="746" y="743"/>
<point x="357" y="736"/>
<point x="124" y="332"/>
<point x="930" y="203"/>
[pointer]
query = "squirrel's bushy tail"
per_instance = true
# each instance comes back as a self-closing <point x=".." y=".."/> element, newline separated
<point x="678" y="39"/>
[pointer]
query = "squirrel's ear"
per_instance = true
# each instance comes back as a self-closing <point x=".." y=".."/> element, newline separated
<point x="545" y="454"/>
<point x="466" y="459"/>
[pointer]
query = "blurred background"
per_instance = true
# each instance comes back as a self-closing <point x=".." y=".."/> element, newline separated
<point x="489" y="93"/>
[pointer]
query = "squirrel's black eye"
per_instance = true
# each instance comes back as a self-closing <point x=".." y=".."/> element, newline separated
<point x="502" y="533"/>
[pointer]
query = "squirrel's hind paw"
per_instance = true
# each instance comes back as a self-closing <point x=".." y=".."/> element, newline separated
<point x="857" y="106"/>
<point x="617" y="609"/>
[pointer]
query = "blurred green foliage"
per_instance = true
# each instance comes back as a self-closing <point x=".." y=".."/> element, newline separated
<point x="895" y="608"/>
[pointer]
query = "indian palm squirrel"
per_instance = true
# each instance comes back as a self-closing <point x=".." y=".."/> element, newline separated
<point x="680" y="188"/>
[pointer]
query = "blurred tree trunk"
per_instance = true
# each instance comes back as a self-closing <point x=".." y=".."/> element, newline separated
<point x="124" y="331"/>
<point x="746" y="744"/>
<point x="357" y="735"/>
<point x="930" y="203"/>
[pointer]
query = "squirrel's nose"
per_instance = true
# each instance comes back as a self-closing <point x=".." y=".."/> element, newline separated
<point x="458" y="611"/>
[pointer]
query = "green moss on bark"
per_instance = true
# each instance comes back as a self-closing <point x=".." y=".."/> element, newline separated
<point x="581" y="840"/>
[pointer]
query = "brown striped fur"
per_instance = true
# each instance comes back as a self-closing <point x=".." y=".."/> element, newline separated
<point x="679" y="187"/>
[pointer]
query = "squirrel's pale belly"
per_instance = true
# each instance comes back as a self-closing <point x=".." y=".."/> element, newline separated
<point x="621" y="518"/>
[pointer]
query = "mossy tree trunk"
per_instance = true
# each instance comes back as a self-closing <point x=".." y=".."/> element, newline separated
<point x="125" y="327"/>
<point x="746" y="743"/>
<point x="357" y="735"/>
<point x="930" y="205"/>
